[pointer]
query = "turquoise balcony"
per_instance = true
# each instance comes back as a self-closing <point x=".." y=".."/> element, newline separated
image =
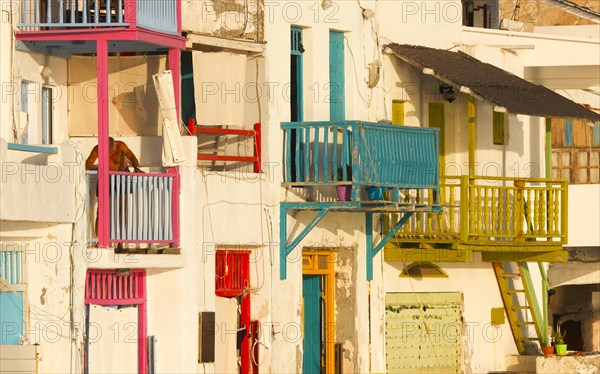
<point x="400" y="162"/>
<point x="361" y="154"/>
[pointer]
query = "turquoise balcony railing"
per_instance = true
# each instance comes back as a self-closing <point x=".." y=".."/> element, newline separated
<point x="361" y="154"/>
<point x="156" y="15"/>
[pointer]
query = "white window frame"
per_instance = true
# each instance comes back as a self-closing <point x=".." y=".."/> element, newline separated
<point x="37" y="108"/>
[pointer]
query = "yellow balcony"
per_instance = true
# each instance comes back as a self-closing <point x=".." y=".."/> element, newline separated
<point x="507" y="219"/>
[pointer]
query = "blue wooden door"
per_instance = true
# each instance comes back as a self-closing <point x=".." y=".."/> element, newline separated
<point x="311" y="292"/>
<point x="337" y="106"/>
<point x="11" y="317"/>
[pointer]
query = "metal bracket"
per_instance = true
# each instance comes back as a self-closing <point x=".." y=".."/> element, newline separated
<point x="373" y="250"/>
<point x="284" y="248"/>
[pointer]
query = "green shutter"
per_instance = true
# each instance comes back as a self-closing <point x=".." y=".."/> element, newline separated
<point x="498" y="128"/>
<point x="188" y="104"/>
<point x="337" y="108"/>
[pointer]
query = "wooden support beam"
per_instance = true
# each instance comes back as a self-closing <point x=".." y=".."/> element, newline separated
<point x="554" y="256"/>
<point x="472" y="134"/>
<point x="103" y="167"/>
<point x="427" y="255"/>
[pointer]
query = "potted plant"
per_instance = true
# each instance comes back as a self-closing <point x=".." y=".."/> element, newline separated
<point x="375" y="192"/>
<point x="548" y="350"/>
<point x="344" y="191"/>
<point x="558" y="337"/>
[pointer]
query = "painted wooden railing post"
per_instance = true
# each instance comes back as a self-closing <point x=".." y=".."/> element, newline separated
<point x="519" y="209"/>
<point x="175" y="67"/>
<point x="357" y="164"/>
<point x="103" y="166"/>
<point x="131" y="13"/>
<point x="178" y="14"/>
<point x="175" y="206"/>
<point x="464" y="208"/>
<point x="564" y="207"/>
<point x="142" y="329"/>
<point x="257" y="147"/>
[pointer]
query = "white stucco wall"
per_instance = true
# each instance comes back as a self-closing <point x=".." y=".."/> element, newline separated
<point x="38" y="187"/>
<point x="5" y="67"/>
<point x="536" y="49"/>
<point x="236" y="209"/>
<point x="584" y="215"/>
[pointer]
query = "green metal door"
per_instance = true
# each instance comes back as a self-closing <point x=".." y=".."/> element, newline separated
<point x="423" y="332"/>
<point x="311" y="293"/>
<point x="337" y="107"/>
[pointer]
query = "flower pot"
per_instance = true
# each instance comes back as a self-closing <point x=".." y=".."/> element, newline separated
<point x="549" y="350"/>
<point x="344" y="193"/>
<point x="561" y="349"/>
<point x="375" y="193"/>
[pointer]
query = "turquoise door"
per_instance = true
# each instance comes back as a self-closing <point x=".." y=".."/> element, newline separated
<point x="311" y="292"/>
<point x="11" y="317"/>
<point x="337" y="107"/>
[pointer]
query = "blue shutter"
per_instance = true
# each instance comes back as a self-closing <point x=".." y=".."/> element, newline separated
<point x="336" y="77"/>
<point x="569" y="132"/>
<point x="11" y="317"/>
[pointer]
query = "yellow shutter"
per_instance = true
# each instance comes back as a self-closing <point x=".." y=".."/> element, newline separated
<point x="397" y="112"/>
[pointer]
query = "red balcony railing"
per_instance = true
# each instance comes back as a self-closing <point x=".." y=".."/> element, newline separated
<point x="255" y="133"/>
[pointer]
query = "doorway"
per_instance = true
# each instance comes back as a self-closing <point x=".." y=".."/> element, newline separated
<point x="423" y="332"/>
<point x="115" y="303"/>
<point x="318" y="327"/>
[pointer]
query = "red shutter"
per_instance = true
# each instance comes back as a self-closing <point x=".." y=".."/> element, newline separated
<point x="232" y="272"/>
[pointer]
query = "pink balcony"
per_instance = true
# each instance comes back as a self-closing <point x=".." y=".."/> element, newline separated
<point x="143" y="209"/>
<point x="156" y="15"/>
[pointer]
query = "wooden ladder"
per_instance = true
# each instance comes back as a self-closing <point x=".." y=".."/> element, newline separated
<point x="520" y="303"/>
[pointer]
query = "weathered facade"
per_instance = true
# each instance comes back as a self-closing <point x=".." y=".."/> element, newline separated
<point x="235" y="254"/>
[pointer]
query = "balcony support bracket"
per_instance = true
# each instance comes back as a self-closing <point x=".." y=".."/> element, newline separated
<point x="286" y="249"/>
<point x="373" y="250"/>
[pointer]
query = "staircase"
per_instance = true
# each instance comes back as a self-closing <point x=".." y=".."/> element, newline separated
<point x="520" y="303"/>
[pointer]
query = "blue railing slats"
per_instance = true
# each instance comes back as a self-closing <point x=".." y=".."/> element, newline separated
<point x="140" y="208"/>
<point x="11" y="261"/>
<point x="156" y="15"/>
<point x="384" y="155"/>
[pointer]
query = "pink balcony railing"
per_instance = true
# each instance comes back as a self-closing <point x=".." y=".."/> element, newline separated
<point x="144" y="208"/>
<point x="157" y="15"/>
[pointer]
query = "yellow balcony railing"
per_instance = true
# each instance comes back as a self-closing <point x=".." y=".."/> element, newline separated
<point x="491" y="211"/>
